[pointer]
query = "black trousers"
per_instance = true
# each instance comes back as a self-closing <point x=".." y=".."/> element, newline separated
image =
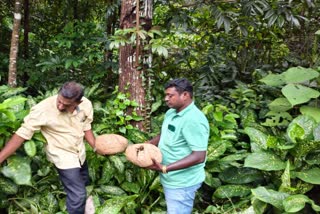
<point x="74" y="181"/>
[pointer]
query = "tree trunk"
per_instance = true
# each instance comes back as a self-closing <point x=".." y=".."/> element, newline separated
<point x="132" y="63"/>
<point x="26" y="36"/>
<point x="12" y="77"/>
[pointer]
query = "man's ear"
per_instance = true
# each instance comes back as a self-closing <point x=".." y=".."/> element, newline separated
<point x="186" y="94"/>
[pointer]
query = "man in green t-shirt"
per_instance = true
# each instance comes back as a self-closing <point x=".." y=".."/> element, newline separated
<point x="183" y="143"/>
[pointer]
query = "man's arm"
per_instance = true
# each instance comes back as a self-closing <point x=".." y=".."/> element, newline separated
<point x="89" y="136"/>
<point x="194" y="158"/>
<point x="155" y="140"/>
<point x="11" y="146"/>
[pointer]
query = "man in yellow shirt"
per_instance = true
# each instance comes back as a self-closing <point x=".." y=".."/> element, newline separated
<point x="64" y="120"/>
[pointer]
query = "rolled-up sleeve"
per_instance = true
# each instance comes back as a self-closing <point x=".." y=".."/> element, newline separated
<point x="31" y="123"/>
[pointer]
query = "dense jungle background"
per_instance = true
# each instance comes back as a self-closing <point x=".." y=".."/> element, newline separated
<point x="255" y="68"/>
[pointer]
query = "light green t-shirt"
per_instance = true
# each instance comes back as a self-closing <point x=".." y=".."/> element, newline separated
<point x="182" y="133"/>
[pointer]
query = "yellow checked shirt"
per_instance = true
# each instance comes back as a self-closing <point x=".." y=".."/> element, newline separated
<point x="63" y="131"/>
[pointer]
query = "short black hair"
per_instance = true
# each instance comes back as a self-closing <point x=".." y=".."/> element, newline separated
<point x="181" y="85"/>
<point x="72" y="90"/>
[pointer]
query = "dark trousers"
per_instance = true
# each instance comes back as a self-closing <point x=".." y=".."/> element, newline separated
<point x="74" y="182"/>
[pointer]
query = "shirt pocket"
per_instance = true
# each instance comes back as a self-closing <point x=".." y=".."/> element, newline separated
<point x="170" y="134"/>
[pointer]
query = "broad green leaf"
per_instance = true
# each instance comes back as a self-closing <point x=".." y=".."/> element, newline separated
<point x="10" y="115"/>
<point x="303" y="148"/>
<point x="7" y="186"/>
<point x="270" y="196"/>
<point x="295" y="203"/>
<point x="299" y="74"/>
<point x="107" y="172"/>
<point x="130" y="187"/>
<point x="272" y="19"/>
<point x="257" y="137"/>
<point x="111" y="190"/>
<point x="295" y="132"/>
<point x="277" y="119"/>
<point x="218" y="116"/>
<point x="313" y="159"/>
<point x="18" y="169"/>
<point x="30" y="148"/>
<point x="216" y="150"/>
<point x="212" y="181"/>
<point x="280" y="104"/>
<point x="297" y="94"/>
<point x="229" y="191"/>
<point x="259" y="207"/>
<point x="316" y="132"/>
<point x="310" y="175"/>
<point x="264" y="161"/>
<point x="117" y="163"/>
<point x="235" y="175"/>
<point x="155" y="183"/>
<point x="301" y="128"/>
<point x="115" y="204"/>
<point x="49" y="201"/>
<point x="207" y="109"/>
<point x="273" y="80"/>
<point x="12" y="101"/>
<point x="311" y="111"/>
<point x="156" y="105"/>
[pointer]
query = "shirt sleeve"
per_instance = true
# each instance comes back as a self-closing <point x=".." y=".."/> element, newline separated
<point x="89" y="117"/>
<point x="31" y="123"/>
<point x="196" y="134"/>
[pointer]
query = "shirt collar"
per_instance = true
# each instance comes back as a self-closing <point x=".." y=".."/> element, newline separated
<point x="181" y="113"/>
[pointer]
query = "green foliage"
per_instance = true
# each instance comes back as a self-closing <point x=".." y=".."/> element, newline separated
<point x="18" y="169"/>
<point x="73" y="54"/>
<point x="292" y="82"/>
<point x="11" y="111"/>
<point x="114" y="118"/>
<point x="256" y="137"/>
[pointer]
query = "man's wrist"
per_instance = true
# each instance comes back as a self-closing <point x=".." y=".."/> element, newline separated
<point x="164" y="169"/>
